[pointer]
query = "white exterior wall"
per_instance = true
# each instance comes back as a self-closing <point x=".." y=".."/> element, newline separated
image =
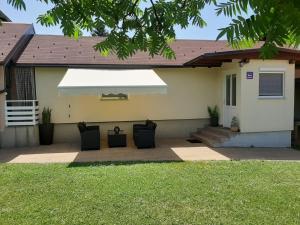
<point x="182" y="110"/>
<point x="278" y="139"/>
<point x="190" y="91"/>
<point x="263" y="114"/>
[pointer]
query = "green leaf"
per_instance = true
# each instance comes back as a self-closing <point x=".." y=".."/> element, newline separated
<point x="18" y="4"/>
<point x="147" y="26"/>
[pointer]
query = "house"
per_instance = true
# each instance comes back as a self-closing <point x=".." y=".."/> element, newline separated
<point x="72" y="79"/>
<point x="3" y="17"/>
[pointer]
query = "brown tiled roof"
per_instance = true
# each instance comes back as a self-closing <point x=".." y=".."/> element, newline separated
<point x="60" y="50"/>
<point x="10" y="36"/>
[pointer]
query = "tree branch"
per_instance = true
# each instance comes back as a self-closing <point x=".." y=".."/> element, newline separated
<point x="156" y="15"/>
<point x="130" y="12"/>
<point x="132" y="9"/>
<point x="183" y="4"/>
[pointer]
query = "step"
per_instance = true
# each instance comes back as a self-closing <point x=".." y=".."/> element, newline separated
<point x="208" y="140"/>
<point x="220" y="130"/>
<point x="217" y="135"/>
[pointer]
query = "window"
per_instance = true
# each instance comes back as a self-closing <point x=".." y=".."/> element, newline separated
<point x="231" y="90"/>
<point x="228" y="89"/>
<point x="271" y="84"/>
<point x="20" y="83"/>
<point x="233" y="94"/>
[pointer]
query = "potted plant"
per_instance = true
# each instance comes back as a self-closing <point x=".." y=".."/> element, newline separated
<point x="234" y="124"/>
<point x="46" y="129"/>
<point x="214" y="115"/>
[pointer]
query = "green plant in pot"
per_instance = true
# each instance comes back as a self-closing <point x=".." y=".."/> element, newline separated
<point x="46" y="128"/>
<point x="214" y="115"/>
<point x="234" y="124"/>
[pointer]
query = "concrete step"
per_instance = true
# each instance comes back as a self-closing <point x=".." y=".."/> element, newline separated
<point x="206" y="139"/>
<point x="215" y="135"/>
<point x="219" y="130"/>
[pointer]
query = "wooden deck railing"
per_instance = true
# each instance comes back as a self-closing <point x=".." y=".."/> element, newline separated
<point x="21" y="112"/>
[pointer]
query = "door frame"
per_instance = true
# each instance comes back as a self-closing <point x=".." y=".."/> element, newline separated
<point x="230" y="110"/>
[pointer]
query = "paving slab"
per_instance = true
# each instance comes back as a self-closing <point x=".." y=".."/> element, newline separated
<point x="166" y="150"/>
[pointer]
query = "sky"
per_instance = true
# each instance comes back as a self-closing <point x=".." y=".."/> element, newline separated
<point x="35" y="8"/>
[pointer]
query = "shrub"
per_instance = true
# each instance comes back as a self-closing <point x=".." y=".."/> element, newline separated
<point x="46" y="115"/>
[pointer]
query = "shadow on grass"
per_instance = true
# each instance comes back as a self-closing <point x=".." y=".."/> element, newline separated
<point x="118" y="163"/>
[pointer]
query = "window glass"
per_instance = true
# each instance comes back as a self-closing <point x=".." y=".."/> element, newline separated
<point x="270" y="84"/>
<point x="228" y="85"/>
<point x="233" y="95"/>
<point x="20" y="83"/>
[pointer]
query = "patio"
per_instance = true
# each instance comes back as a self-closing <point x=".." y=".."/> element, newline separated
<point x="166" y="150"/>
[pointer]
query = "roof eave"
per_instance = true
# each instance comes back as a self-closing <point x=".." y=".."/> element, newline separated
<point x="283" y="53"/>
<point x="115" y="66"/>
<point x="19" y="47"/>
<point x="4" y="18"/>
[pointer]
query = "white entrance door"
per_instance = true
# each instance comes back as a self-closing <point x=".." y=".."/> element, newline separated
<point x="229" y="99"/>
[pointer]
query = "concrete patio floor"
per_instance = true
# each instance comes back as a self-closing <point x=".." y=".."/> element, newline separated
<point x="166" y="150"/>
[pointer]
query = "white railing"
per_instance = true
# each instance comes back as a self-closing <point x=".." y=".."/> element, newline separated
<point x="21" y="112"/>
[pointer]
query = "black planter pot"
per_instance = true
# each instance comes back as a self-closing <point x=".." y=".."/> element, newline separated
<point x="214" y="121"/>
<point x="46" y="133"/>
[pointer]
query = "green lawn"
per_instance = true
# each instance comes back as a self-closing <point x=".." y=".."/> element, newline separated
<point x="238" y="192"/>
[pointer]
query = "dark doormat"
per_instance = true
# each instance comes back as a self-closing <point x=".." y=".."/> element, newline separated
<point x="193" y="141"/>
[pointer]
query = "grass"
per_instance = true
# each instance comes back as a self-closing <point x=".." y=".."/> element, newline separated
<point x="245" y="192"/>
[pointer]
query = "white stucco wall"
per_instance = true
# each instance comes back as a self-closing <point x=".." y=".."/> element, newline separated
<point x="262" y="114"/>
<point x="190" y="91"/>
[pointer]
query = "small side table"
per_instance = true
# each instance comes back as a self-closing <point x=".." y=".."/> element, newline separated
<point x="116" y="140"/>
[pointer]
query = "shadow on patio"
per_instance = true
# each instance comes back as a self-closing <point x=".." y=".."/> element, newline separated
<point x="167" y="150"/>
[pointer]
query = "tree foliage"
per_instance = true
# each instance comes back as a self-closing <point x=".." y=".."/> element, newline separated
<point x="276" y="23"/>
<point x="149" y="25"/>
<point x="100" y="31"/>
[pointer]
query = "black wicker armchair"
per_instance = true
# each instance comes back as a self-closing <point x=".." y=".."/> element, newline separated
<point x="90" y="137"/>
<point x="144" y="134"/>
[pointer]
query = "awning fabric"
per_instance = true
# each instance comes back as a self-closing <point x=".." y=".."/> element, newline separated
<point x="107" y="81"/>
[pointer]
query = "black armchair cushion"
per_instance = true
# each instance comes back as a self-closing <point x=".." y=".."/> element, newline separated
<point x="144" y="134"/>
<point x="92" y="128"/>
<point x="151" y="125"/>
<point x="139" y="127"/>
<point x="90" y="137"/>
<point x="81" y="126"/>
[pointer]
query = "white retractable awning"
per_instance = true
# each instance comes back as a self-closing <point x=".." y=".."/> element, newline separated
<point x="107" y="81"/>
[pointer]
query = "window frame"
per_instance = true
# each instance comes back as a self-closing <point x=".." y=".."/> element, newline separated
<point x="283" y="85"/>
